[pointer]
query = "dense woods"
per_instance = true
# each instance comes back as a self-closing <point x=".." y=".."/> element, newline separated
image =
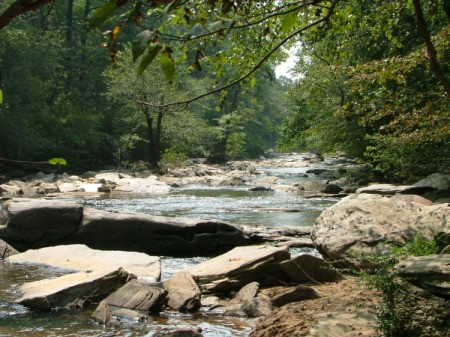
<point x="373" y="81"/>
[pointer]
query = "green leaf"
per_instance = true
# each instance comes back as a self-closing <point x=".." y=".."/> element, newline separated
<point x="140" y="43"/>
<point x="57" y="161"/>
<point x="167" y="65"/>
<point x="1" y="96"/>
<point x="102" y="14"/>
<point x="288" y="21"/>
<point x="152" y="50"/>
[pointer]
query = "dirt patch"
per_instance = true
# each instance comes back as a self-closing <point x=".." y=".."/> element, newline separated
<point x="347" y="305"/>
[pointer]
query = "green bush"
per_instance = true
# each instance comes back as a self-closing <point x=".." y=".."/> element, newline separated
<point x="393" y="321"/>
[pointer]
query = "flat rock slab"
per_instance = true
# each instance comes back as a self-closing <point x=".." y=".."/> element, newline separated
<point x="83" y="258"/>
<point x="137" y="296"/>
<point x="391" y="189"/>
<point x="72" y="289"/>
<point x="431" y="273"/>
<point x="239" y="267"/>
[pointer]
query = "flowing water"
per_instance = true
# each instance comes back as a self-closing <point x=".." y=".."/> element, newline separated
<point x="231" y="204"/>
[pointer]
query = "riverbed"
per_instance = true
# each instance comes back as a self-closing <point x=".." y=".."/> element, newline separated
<point x="236" y="205"/>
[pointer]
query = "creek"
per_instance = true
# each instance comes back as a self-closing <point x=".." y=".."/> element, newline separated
<point x="231" y="204"/>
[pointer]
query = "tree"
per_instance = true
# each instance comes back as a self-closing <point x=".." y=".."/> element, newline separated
<point x="127" y="91"/>
<point x="366" y="73"/>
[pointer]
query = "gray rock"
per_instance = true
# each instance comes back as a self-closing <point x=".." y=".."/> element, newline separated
<point x="137" y="296"/>
<point x="258" y="306"/>
<point x="183" y="293"/>
<point x="332" y="188"/>
<point x="210" y="301"/>
<point x="431" y="273"/>
<point x="38" y="222"/>
<point x="390" y="189"/>
<point x="309" y="268"/>
<point x="72" y="289"/>
<point x="368" y="224"/>
<point x="156" y="235"/>
<point x="238" y="267"/>
<point x="316" y="171"/>
<point x="123" y="314"/>
<point x="6" y="189"/>
<point x="266" y="180"/>
<point x="83" y="258"/>
<point x="67" y="187"/>
<point x="247" y="293"/>
<point x="47" y="188"/>
<point x="6" y="250"/>
<point x="102" y="314"/>
<point x="436" y="181"/>
<point x="180" y="333"/>
<point x="234" y="181"/>
<point x="299" y="293"/>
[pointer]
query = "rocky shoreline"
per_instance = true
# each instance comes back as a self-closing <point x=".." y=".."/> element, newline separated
<point x="252" y="275"/>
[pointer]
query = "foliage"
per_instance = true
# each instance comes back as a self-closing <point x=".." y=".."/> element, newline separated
<point x="366" y="89"/>
<point x="394" y="291"/>
<point x="171" y="159"/>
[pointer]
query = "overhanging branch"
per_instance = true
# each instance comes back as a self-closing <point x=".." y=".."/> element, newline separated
<point x="20" y="7"/>
<point x="253" y="70"/>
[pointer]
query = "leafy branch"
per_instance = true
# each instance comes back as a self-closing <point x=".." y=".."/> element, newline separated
<point x="253" y="69"/>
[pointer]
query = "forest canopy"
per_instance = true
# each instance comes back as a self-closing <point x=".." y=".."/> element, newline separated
<point x="373" y="80"/>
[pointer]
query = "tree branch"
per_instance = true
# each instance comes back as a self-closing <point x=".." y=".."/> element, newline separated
<point x="273" y="14"/>
<point x="254" y="69"/>
<point x="431" y="51"/>
<point x="20" y="7"/>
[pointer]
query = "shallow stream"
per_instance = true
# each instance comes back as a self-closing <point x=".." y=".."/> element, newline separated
<point x="231" y="204"/>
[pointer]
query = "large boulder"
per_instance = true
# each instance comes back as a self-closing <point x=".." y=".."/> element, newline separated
<point x="431" y="273"/>
<point x="83" y="258"/>
<point x="366" y="224"/>
<point x="33" y="223"/>
<point x="156" y="235"/>
<point x="41" y="223"/>
<point x="239" y="267"/>
<point x="72" y="289"/>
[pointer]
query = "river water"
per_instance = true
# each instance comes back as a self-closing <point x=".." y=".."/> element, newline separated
<point x="231" y="204"/>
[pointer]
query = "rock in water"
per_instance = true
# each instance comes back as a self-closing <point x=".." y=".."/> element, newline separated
<point x="238" y="267"/>
<point x="72" y="289"/>
<point x="184" y="294"/>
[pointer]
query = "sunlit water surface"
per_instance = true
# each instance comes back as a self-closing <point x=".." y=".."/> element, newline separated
<point x="232" y="204"/>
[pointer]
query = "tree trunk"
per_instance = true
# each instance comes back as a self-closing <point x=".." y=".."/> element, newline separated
<point x="431" y="51"/>
<point x="447" y="8"/>
<point x="151" y="138"/>
<point x="69" y="26"/>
